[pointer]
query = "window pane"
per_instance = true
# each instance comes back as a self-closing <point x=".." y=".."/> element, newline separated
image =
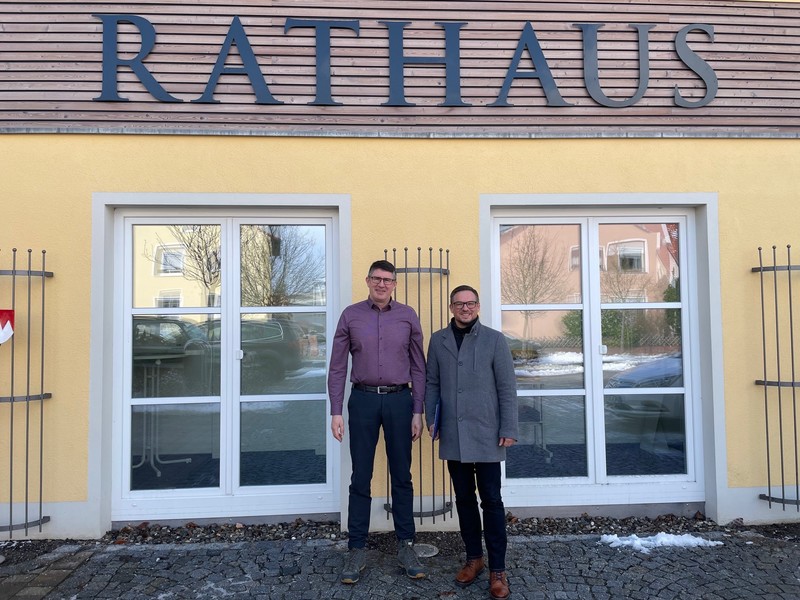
<point x="641" y="262"/>
<point x="283" y="443"/>
<point x="552" y="440"/>
<point x="172" y="356"/>
<point x="644" y="348"/>
<point x="645" y="434"/>
<point x="283" y="265"/>
<point x="540" y="264"/>
<point x="174" y="446"/>
<point x="283" y="353"/>
<point x="175" y="265"/>
<point x="547" y="347"/>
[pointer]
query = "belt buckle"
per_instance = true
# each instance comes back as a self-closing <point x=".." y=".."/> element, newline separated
<point x="383" y="389"/>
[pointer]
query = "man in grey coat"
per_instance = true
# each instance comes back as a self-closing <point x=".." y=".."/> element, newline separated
<point x="471" y="407"/>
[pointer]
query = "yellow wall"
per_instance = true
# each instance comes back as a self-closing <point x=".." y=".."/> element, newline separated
<point x="404" y="192"/>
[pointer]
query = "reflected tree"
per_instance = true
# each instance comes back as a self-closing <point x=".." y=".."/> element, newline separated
<point x="532" y="269"/>
<point x="281" y="265"/>
<point x="203" y="258"/>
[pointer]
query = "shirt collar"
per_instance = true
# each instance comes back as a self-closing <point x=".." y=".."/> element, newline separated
<point x="374" y="306"/>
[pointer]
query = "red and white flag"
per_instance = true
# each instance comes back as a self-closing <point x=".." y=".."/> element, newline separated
<point x="6" y="324"/>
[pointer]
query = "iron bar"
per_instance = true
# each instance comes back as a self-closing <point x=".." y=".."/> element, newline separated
<point x="41" y="273"/>
<point x="769" y="269"/>
<point x="447" y="291"/>
<point x="794" y="377"/>
<point x="419" y="315"/>
<point x="18" y="526"/>
<point x="44" y="396"/>
<point x="777" y="500"/>
<point x="41" y="404"/>
<point x="773" y="383"/>
<point x="778" y="370"/>
<point x="11" y="394"/>
<point x="764" y="360"/>
<point x="433" y="458"/>
<point x="28" y="398"/>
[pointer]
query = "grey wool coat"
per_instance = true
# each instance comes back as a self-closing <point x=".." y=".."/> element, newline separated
<point x="477" y="393"/>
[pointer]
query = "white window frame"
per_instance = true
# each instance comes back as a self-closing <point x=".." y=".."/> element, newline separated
<point x="110" y="438"/>
<point x="703" y="315"/>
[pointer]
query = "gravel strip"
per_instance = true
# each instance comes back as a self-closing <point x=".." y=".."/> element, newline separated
<point x="448" y="543"/>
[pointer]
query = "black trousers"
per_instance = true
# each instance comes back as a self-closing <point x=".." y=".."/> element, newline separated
<point x="486" y="476"/>
<point x="368" y="412"/>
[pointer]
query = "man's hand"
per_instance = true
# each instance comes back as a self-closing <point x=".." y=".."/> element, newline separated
<point x="507" y="442"/>
<point x="337" y="427"/>
<point x="416" y="427"/>
<point x="430" y="431"/>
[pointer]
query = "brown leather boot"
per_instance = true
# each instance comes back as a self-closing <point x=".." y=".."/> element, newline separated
<point x="498" y="585"/>
<point x="469" y="572"/>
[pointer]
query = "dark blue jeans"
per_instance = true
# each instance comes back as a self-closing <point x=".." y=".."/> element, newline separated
<point x="368" y="412"/>
<point x="465" y="476"/>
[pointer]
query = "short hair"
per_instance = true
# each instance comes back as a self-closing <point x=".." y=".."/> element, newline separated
<point x="464" y="288"/>
<point x="383" y="265"/>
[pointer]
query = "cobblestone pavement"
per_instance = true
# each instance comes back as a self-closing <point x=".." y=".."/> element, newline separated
<point x="552" y="567"/>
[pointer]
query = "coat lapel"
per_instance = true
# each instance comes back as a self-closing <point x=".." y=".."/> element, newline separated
<point x="449" y="342"/>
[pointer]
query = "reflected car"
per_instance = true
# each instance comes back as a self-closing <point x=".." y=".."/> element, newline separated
<point x="171" y="357"/>
<point x="661" y="372"/>
<point x="666" y="407"/>
<point x="271" y="349"/>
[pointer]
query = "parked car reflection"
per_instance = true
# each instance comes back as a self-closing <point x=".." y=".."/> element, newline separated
<point x="271" y="349"/>
<point x="661" y="372"/>
<point x="173" y="356"/>
<point x="655" y="420"/>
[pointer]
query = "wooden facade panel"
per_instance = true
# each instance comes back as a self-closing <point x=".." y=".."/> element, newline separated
<point x="51" y="68"/>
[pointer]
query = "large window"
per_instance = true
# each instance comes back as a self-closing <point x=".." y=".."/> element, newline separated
<point x="595" y="312"/>
<point x="224" y="386"/>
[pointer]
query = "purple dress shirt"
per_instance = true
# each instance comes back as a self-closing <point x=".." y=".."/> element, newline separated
<point x="386" y="346"/>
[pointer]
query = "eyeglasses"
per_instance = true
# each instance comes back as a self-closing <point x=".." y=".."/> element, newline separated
<point x="377" y="280"/>
<point x="460" y="305"/>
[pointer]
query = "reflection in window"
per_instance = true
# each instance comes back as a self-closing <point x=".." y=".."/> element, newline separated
<point x="547" y="348"/>
<point x="636" y="336"/>
<point x="189" y="255"/>
<point x="283" y="443"/>
<point x="170" y="260"/>
<point x="173" y="357"/>
<point x="642" y="262"/>
<point x="645" y="434"/>
<point x="283" y="353"/>
<point x="536" y="264"/>
<point x="174" y="446"/>
<point x="574" y="258"/>
<point x="283" y="265"/>
<point x="552" y="438"/>
<point x="629" y="256"/>
<point x="169" y="299"/>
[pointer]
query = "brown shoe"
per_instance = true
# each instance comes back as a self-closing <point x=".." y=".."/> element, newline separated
<point x="469" y="572"/>
<point x="498" y="585"/>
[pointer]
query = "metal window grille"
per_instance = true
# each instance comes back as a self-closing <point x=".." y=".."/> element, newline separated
<point x="22" y="395"/>
<point x="424" y="284"/>
<point x="779" y="378"/>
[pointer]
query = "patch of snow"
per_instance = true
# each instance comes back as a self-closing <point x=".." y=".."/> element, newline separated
<point x="659" y="540"/>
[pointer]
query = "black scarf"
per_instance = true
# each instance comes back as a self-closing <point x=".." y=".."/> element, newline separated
<point x="460" y="333"/>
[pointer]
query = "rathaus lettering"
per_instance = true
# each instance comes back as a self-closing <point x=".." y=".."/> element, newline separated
<point x="527" y="47"/>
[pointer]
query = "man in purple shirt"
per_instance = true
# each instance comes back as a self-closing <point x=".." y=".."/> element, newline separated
<point x="384" y="338"/>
